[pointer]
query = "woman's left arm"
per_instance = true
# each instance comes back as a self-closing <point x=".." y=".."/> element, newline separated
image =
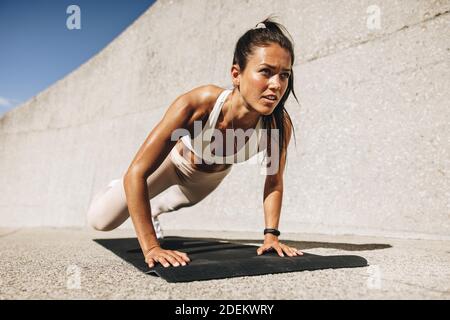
<point x="273" y="195"/>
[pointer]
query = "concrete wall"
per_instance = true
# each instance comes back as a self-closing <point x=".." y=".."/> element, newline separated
<point x="373" y="128"/>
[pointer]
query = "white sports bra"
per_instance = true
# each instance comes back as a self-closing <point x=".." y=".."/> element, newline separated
<point x="204" y="152"/>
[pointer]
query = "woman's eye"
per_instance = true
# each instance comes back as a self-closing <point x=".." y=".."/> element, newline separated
<point x="283" y="75"/>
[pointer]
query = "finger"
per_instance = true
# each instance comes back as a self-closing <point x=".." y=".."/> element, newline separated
<point x="171" y="259"/>
<point x="261" y="250"/>
<point x="184" y="258"/>
<point x="289" y="251"/>
<point x="183" y="255"/>
<point x="150" y="262"/>
<point x="279" y="250"/>
<point x="297" y="252"/>
<point x="157" y="260"/>
<point x="163" y="261"/>
<point x="178" y="260"/>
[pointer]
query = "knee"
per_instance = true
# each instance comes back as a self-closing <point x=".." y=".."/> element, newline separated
<point x="95" y="222"/>
<point x="159" y="208"/>
<point x="99" y="226"/>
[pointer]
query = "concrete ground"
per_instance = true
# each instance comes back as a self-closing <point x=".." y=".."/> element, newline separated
<point x="52" y="263"/>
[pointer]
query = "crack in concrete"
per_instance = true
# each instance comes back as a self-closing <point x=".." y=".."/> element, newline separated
<point x="382" y="36"/>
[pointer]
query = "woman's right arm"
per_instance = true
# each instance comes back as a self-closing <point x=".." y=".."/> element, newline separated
<point x="181" y="114"/>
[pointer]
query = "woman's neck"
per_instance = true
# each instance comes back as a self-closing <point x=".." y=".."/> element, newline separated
<point x="238" y="114"/>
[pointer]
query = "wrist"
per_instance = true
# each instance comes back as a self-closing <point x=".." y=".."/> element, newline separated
<point x="272" y="231"/>
<point x="147" y="240"/>
<point x="270" y="237"/>
<point x="150" y="248"/>
<point x="271" y="234"/>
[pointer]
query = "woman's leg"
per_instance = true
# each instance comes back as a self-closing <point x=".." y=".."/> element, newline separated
<point x="174" y="185"/>
<point x="109" y="209"/>
<point x="196" y="185"/>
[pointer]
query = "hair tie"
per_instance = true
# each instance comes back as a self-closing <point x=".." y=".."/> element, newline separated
<point x="260" y="25"/>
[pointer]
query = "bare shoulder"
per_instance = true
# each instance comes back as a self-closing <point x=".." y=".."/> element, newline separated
<point x="181" y="114"/>
<point x="192" y="105"/>
<point x="202" y="98"/>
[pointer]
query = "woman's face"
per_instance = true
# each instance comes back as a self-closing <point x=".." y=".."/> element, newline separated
<point x="266" y="74"/>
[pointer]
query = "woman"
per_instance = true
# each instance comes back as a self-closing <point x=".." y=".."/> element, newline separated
<point x="262" y="80"/>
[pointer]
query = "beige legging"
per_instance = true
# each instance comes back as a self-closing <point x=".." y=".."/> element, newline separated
<point x="175" y="184"/>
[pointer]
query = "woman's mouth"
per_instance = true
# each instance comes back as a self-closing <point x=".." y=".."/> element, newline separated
<point x="269" y="99"/>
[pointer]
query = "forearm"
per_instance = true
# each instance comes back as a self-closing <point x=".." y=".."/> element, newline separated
<point x="273" y="195"/>
<point x="140" y="212"/>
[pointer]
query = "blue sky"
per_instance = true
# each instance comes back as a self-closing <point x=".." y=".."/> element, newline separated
<point x="37" y="48"/>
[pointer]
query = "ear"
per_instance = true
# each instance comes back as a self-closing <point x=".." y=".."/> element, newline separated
<point x="236" y="75"/>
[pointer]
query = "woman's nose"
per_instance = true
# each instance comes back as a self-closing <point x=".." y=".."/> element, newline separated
<point x="274" y="82"/>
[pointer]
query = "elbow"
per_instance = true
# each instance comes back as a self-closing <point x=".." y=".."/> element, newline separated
<point x="127" y="178"/>
<point x="130" y="178"/>
<point x="133" y="173"/>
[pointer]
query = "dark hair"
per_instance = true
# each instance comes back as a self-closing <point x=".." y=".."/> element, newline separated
<point x="261" y="37"/>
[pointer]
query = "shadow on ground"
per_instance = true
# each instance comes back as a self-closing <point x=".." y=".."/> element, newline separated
<point x="305" y="245"/>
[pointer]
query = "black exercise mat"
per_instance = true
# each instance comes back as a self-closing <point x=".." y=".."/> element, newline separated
<point x="213" y="259"/>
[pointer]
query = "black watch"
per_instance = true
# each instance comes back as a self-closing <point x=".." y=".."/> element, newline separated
<point x="272" y="231"/>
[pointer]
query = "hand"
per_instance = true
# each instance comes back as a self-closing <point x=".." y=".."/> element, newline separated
<point x="166" y="257"/>
<point x="270" y="243"/>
